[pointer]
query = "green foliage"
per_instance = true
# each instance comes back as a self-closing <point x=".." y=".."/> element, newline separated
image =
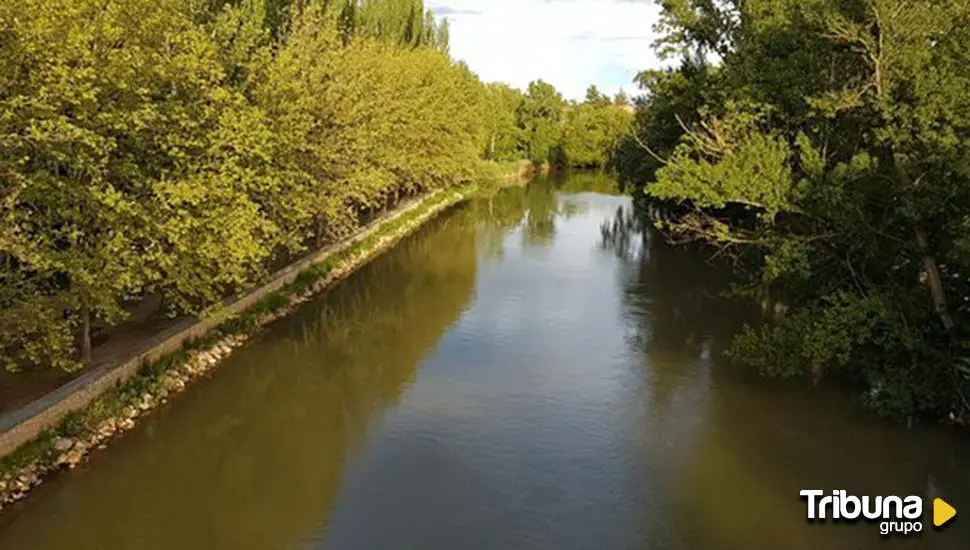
<point x="541" y="126"/>
<point x="592" y="131"/>
<point x="183" y="149"/>
<point x="817" y="338"/>
<point x="40" y="451"/>
<point x="842" y="131"/>
<point x="398" y="22"/>
<point x="729" y="160"/>
<point x="109" y="138"/>
<point x="540" y="119"/>
<point x="179" y="149"/>
<point x="503" y="135"/>
<point x="671" y="100"/>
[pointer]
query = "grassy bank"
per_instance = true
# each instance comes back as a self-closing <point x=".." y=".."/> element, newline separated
<point x="500" y="173"/>
<point x="117" y="410"/>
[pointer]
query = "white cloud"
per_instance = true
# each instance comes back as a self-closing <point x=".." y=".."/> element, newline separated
<point x="569" y="43"/>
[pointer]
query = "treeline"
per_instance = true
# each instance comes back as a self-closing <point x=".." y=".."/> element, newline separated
<point x="543" y="127"/>
<point x="173" y="149"/>
<point x="399" y="22"/>
<point x="828" y="149"/>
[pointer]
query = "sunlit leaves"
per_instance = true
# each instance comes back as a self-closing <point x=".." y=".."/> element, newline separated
<point x="592" y="131"/>
<point x="729" y="160"/>
<point x="178" y="148"/>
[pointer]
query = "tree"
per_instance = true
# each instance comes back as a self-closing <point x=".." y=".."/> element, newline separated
<point x="672" y="99"/>
<point x="503" y="135"/>
<point x="621" y="99"/>
<point x="540" y="117"/>
<point x="841" y="136"/>
<point x="595" y="98"/>
<point x="442" y="39"/>
<point x="125" y="160"/>
<point x="592" y="131"/>
<point x="143" y="128"/>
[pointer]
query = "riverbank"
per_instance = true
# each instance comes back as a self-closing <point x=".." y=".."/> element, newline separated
<point x="541" y="340"/>
<point x="62" y="428"/>
<point x="504" y="172"/>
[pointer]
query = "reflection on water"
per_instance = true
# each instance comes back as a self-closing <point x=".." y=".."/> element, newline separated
<point x="535" y="369"/>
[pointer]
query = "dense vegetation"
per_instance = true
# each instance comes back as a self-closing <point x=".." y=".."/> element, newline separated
<point x="824" y="143"/>
<point x="178" y="151"/>
<point x="540" y="125"/>
<point x="175" y="149"/>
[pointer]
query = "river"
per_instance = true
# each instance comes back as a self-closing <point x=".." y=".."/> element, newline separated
<point x="533" y="370"/>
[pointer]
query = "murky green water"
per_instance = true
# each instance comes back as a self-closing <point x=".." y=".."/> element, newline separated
<point x="531" y="371"/>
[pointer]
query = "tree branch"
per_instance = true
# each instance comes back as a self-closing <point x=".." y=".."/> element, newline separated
<point x="648" y="149"/>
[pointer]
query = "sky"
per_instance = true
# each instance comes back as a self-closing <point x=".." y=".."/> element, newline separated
<point x="568" y="43"/>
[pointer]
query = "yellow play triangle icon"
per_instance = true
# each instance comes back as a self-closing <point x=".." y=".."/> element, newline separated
<point x="942" y="512"/>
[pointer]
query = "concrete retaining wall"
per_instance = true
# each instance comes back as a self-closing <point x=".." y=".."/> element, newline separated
<point x="22" y="425"/>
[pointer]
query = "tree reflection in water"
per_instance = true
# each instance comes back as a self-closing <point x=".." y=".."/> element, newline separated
<point x="676" y="299"/>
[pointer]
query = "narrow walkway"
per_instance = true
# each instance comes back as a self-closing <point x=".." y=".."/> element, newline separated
<point x="146" y="326"/>
<point x="19" y="388"/>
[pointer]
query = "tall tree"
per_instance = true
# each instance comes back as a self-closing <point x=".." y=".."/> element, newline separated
<point x="141" y="127"/>
<point x="593" y="131"/>
<point x="540" y="118"/>
<point x="596" y="98"/>
<point x="842" y="129"/>
<point x="503" y="134"/>
<point x="123" y="162"/>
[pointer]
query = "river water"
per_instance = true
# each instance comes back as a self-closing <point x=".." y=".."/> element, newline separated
<point x="534" y="370"/>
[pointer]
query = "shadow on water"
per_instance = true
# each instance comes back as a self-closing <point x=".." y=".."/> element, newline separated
<point x="755" y="444"/>
<point x="252" y="458"/>
<point x="535" y="369"/>
<point x="685" y="292"/>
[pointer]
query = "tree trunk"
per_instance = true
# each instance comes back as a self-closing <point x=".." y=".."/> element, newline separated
<point x="933" y="280"/>
<point x="320" y="231"/>
<point x="162" y="305"/>
<point x="85" y="334"/>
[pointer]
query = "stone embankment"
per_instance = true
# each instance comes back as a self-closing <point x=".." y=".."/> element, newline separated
<point x="116" y="410"/>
